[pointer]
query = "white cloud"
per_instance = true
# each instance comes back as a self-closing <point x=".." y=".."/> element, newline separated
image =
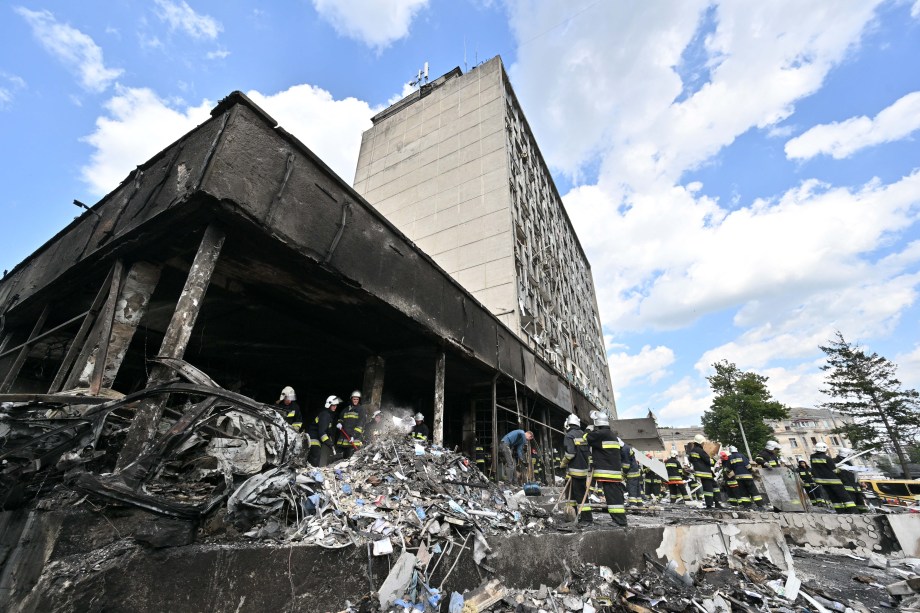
<point x="138" y="124"/>
<point x="406" y="90"/>
<point x="915" y="10"/>
<point x="376" y="23"/>
<point x="649" y="364"/>
<point x="180" y="16"/>
<point x="331" y="128"/>
<point x="77" y="51"/>
<point x="842" y="139"/>
<point x="909" y="367"/>
<point x="682" y="403"/>
<point x="219" y="54"/>
<point x="10" y="85"/>
<point x="761" y="59"/>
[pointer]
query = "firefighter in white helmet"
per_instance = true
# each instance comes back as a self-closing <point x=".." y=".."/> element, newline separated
<point x="827" y="475"/>
<point x="351" y="426"/>
<point x="769" y="455"/>
<point x="373" y="430"/>
<point x="288" y="406"/>
<point x="702" y="469"/>
<point x="322" y="433"/>
<point x="577" y="461"/>
<point x="419" y="432"/>
<point x="608" y="465"/>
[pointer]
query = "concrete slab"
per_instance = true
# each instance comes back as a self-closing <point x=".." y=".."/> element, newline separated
<point x="906" y="530"/>
<point x="783" y="491"/>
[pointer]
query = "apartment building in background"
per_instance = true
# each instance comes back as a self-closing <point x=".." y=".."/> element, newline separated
<point x="456" y="168"/>
<point x="805" y="428"/>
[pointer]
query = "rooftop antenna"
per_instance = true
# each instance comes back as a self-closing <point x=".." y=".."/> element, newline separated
<point x="421" y="77"/>
<point x="465" y="67"/>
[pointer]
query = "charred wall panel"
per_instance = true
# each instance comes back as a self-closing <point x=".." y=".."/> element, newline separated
<point x="167" y="179"/>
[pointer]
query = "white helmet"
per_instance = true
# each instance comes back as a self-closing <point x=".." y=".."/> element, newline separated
<point x="572" y="421"/>
<point x="331" y="400"/>
<point x="699" y="438"/>
<point x="288" y="392"/>
<point x="356" y="394"/>
<point x="732" y="449"/>
<point x="821" y="447"/>
<point x="376" y="413"/>
<point x="845" y="451"/>
<point x="419" y="417"/>
<point x="600" y="418"/>
<point x="772" y="445"/>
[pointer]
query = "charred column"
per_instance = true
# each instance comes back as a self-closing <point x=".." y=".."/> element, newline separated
<point x="438" y="425"/>
<point x="144" y="427"/>
<point x="374" y="371"/>
<point x="495" y="426"/>
<point x="140" y="282"/>
<point x="24" y="352"/>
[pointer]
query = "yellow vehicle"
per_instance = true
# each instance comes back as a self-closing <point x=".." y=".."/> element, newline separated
<point x="892" y="491"/>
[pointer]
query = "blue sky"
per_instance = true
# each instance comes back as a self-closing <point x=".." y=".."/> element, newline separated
<point x="744" y="176"/>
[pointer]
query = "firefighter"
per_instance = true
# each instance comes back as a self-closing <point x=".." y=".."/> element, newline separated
<point x="288" y="406"/>
<point x="747" y="489"/>
<point x="419" y="432"/>
<point x="373" y="430"/>
<point x="351" y="426"/>
<point x="652" y="481"/>
<point x="322" y="434"/>
<point x="633" y="474"/>
<point x="608" y="465"/>
<point x="557" y="461"/>
<point x="536" y="464"/>
<point x="702" y="469"/>
<point x="826" y="474"/>
<point x="675" y="478"/>
<point x="481" y="458"/>
<point x="768" y="456"/>
<point x="577" y="461"/>
<point x="728" y="478"/>
<point x="716" y="482"/>
<point x="850" y="482"/>
<point x="808" y="482"/>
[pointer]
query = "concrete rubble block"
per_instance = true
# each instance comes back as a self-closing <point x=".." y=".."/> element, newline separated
<point x="484" y="596"/>
<point x="906" y="530"/>
<point x="161" y="532"/>
<point x="398" y="580"/>
<point x="904" y="588"/>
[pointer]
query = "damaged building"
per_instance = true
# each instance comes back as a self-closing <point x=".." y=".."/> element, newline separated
<point x="239" y="250"/>
<point x="144" y="468"/>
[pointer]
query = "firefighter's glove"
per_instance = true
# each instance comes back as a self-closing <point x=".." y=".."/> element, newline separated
<point x="564" y="463"/>
<point x="338" y="426"/>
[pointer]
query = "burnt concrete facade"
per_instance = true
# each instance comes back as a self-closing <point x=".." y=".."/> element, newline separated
<point x="310" y="283"/>
<point x="456" y="167"/>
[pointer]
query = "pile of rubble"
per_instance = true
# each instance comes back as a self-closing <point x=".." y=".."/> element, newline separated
<point x="724" y="584"/>
<point x="394" y="490"/>
<point x="908" y="589"/>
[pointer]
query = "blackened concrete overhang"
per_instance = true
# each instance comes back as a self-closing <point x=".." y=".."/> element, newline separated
<point x="244" y="170"/>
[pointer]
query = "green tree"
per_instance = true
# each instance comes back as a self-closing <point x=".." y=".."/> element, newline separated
<point x="740" y="395"/>
<point x="865" y="387"/>
<point x="860" y="435"/>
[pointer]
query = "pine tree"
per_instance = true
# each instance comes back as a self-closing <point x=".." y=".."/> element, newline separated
<point x="865" y="387"/>
<point x="740" y="395"/>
